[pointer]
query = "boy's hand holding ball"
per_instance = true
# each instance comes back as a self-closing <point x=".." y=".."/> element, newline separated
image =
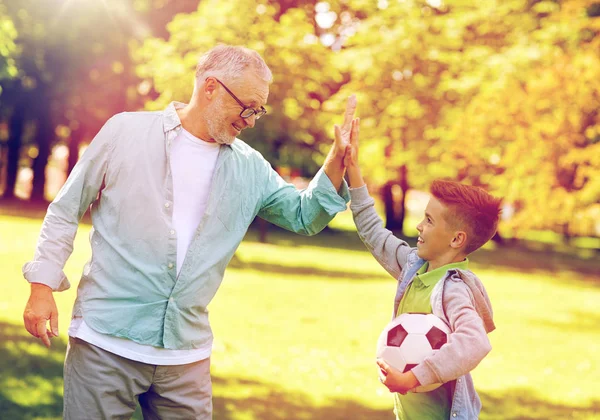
<point x="395" y="380"/>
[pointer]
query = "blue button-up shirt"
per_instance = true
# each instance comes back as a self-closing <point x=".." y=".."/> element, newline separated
<point x="130" y="287"/>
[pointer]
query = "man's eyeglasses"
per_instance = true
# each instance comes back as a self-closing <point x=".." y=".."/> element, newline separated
<point x="247" y="112"/>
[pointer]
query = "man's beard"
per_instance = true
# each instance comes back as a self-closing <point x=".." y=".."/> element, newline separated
<point x="217" y="123"/>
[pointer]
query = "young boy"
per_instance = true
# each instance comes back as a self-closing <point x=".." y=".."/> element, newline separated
<point x="434" y="278"/>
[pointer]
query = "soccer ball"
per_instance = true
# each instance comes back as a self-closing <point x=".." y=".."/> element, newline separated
<point x="408" y="339"/>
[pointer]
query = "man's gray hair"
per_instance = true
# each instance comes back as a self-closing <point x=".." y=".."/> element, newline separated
<point x="228" y="62"/>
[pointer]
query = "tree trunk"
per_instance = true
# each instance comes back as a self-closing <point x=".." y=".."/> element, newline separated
<point x="17" y="122"/>
<point x="263" y="229"/>
<point x="403" y="175"/>
<point x="395" y="207"/>
<point x="388" y="203"/>
<point x="74" y="142"/>
<point x="566" y="233"/>
<point x="43" y="139"/>
<point x="497" y="239"/>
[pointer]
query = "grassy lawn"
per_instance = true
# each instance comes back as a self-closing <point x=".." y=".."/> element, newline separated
<point x="296" y="322"/>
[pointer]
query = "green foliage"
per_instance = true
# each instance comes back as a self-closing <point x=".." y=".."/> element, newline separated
<point x="68" y="51"/>
<point x="500" y="94"/>
<point x="503" y="93"/>
<point x="532" y="135"/>
<point x="74" y="62"/>
<point x="8" y="48"/>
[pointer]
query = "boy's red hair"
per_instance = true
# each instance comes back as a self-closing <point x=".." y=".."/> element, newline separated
<point x="470" y="209"/>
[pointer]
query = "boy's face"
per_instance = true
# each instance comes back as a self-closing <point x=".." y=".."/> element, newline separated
<point x="435" y="235"/>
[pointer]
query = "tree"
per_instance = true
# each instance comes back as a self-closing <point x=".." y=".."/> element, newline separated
<point x="463" y="90"/>
<point x="52" y="56"/>
<point x="8" y="71"/>
<point x="403" y="60"/>
<point x="539" y="125"/>
<point x="72" y="77"/>
<point x="8" y="50"/>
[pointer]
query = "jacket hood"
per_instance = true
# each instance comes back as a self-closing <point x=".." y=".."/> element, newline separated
<point x="483" y="306"/>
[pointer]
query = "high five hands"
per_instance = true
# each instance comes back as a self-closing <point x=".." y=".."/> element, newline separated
<point x="346" y="139"/>
<point x="343" y="133"/>
<point x="334" y="163"/>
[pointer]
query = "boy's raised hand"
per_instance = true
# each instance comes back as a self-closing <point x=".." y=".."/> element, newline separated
<point x="343" y="133"/>
<point x="395" y="380"/>
<point x="355" y="178"/>
<point x="351" y="157"/>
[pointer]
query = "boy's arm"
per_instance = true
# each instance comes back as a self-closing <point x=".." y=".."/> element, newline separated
<point x="388" y="250"/>
<point x="467" y="345"/>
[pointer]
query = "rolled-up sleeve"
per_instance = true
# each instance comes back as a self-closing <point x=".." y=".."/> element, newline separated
<point x="55" y="243"/>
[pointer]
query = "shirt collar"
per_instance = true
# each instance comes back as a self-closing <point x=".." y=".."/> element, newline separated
<point x="171" y="119"/>
<point x="431" y="278"/>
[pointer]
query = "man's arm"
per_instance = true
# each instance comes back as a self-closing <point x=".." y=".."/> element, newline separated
<point x="309" y="211"/>
<point x="55" y="243"/>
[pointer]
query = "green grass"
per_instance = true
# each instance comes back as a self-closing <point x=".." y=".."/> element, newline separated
<point x="296" y="323"/>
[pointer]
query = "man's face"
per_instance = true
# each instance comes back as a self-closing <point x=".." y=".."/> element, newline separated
<point x="223" y="114"/>
<point x="435" y="235"/>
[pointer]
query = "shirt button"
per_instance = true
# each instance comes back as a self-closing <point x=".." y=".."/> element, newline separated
<point x="458" y="380"/>
<point x="454" y="414"/>
<point x="170" y="265"/>
<point x="172" y="232"/>
<point x="167" y="205"/>
<point x="171" y="301"/>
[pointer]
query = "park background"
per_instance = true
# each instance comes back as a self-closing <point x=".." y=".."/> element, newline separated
<point x="503" y="94"/>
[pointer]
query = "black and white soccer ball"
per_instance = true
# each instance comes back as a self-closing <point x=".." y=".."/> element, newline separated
<point x="409" y="338"/>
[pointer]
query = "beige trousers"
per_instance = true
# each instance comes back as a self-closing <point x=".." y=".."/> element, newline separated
<point x="101" y="385"/>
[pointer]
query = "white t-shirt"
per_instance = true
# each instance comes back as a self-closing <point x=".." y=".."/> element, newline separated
<point x="192" y="165"/>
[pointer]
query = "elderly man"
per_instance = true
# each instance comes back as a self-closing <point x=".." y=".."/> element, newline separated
<point x="172" y="194"/>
